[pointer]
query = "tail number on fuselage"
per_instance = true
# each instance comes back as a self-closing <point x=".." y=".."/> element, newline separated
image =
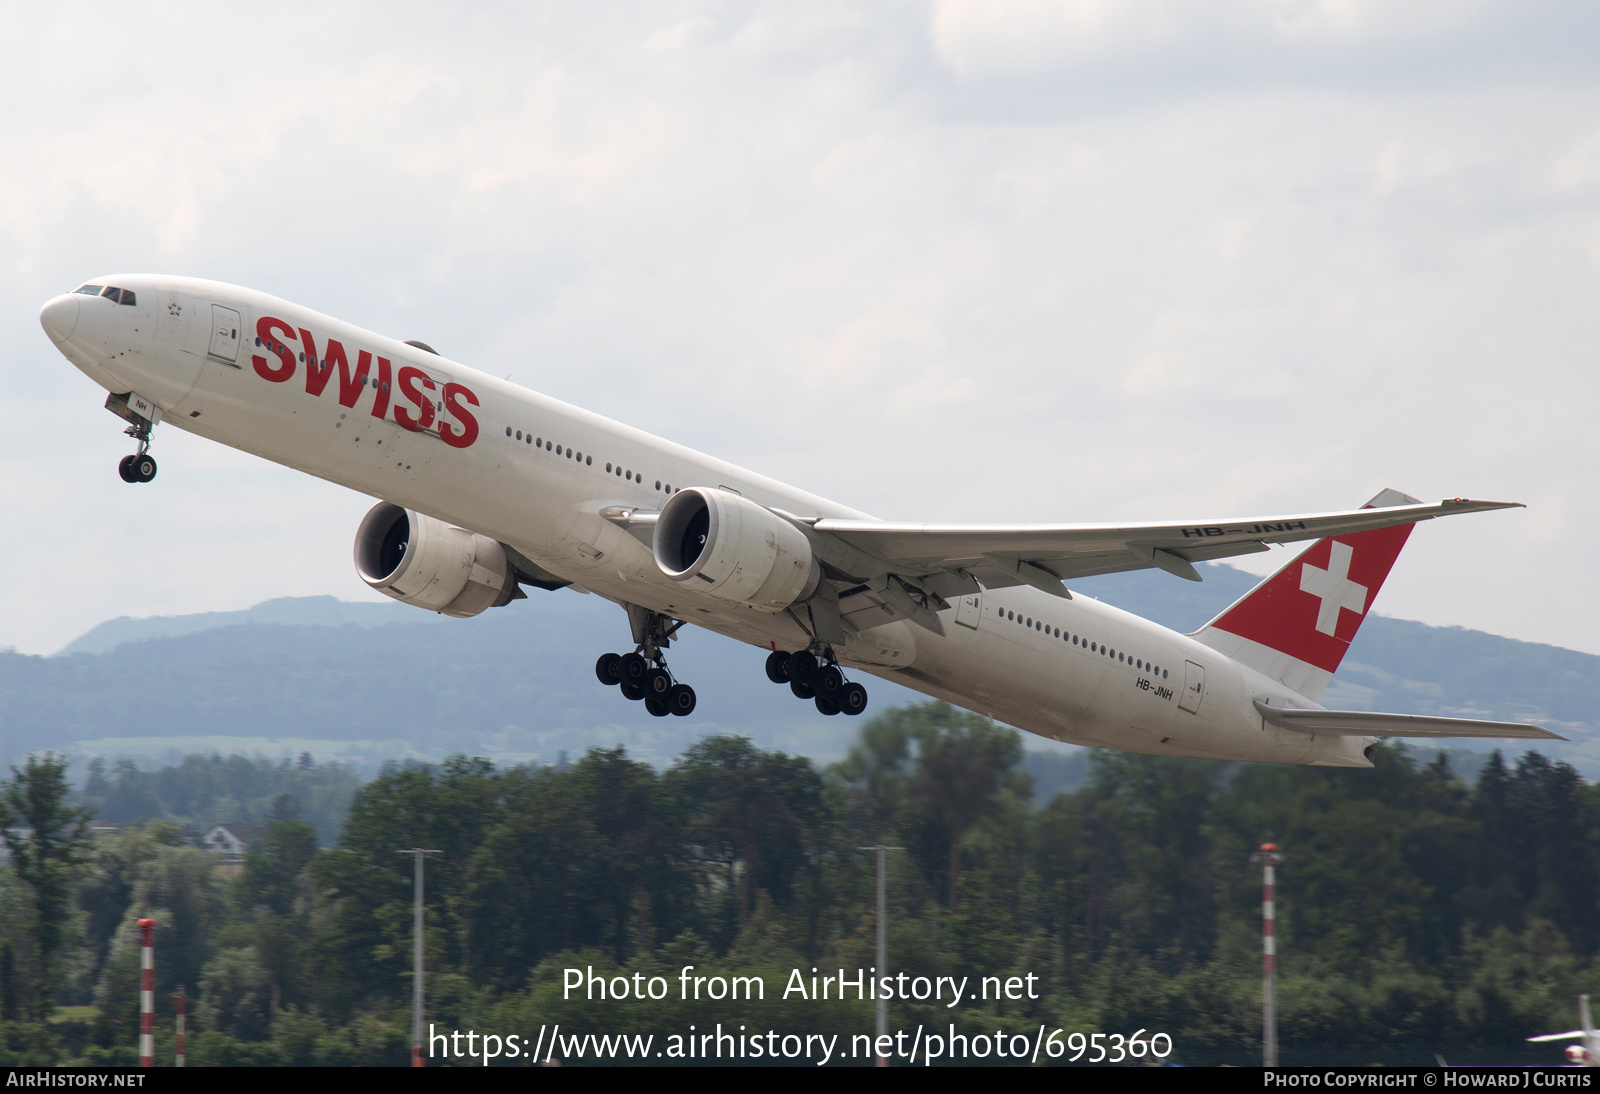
<point x="1144" y="683"/>
<point x="275" y="336"/>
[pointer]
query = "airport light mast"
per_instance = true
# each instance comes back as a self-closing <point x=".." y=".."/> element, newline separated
<point x="418" y="853"/>
<point x="883" y="944"/>
<point x="1269" y="858"/>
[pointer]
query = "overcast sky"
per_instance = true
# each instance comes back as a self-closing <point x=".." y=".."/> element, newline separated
<point x="961" y="261"/>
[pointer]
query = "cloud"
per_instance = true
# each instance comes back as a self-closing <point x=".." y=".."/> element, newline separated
<point x="994" y="37"/>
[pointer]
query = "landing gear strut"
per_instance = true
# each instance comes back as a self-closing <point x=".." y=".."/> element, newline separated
<point x="643" y="674"/>
<point x="141" y="466"/>
<point x="816" y="675"/>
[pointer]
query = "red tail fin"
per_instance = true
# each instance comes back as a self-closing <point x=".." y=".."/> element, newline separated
<point x="1297" y="624"/>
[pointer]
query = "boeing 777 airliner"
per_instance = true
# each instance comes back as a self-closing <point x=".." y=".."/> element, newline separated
<point x="485" y="487"/>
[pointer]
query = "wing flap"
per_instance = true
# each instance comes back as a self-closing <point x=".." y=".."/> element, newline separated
<point x="1363" y="723"/>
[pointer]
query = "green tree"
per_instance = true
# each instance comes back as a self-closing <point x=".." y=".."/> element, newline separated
<point x="47" y="840"/>
<point x="935" y="771"/>
<point x="751" y="811"/>
<point x="270" y="875"/>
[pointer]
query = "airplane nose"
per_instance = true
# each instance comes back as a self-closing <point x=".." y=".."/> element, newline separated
<point x="60" y="318"/>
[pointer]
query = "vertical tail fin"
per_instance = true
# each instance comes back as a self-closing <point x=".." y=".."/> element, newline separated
<point x="1296" y="625"/>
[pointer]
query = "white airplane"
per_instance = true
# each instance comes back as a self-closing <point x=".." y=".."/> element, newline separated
<point x="486" y="486"/>
<point x="1586" y="1054"/>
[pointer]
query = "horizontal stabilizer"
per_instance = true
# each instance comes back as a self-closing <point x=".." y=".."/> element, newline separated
<point x="1362" y="723"/>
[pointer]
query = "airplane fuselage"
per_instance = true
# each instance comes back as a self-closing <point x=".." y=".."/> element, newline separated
<point x="396" y="422"/>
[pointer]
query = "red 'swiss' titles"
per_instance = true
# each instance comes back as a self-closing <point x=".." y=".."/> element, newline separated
<point x="416" y="386"/>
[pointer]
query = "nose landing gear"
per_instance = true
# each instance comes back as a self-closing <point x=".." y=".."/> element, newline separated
<point x="141" y="466"/>
<point x="817" y="676"/>
<point x="643" y="674"/>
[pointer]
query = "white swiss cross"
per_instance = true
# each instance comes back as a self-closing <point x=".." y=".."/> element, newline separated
<point x="1333" y="587"/>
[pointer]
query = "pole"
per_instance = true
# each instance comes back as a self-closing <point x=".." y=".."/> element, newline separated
<point x="883" y="948"/>
<point x="1269" y="858"/>
<point x="147" y="995"/>
<point x="180" y="1024"/>
<point x="416" y="955"/>
<point x="882" y="968"/>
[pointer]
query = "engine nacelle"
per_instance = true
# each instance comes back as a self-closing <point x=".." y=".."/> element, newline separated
<point x="425" y="562"/>
<point x="726" y="546"/>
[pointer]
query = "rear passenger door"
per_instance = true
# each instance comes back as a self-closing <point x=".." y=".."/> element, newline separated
<point x="1194" y="687"/>
<point x="969" y="609"/>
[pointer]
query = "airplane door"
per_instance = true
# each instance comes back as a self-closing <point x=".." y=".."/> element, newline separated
<point x="224" y="333"/>
<point x="1194" y="687"/>
<point x="969" y="609"/>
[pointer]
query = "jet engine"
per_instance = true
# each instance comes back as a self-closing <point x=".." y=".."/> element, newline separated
<point x="425" y="562"/>
<point x="728" y="547"/>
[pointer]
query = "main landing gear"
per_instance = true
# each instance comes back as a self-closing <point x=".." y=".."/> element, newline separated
<point x="643" y="674"/>
<point x="817" y="676"/>
<point x="141" y="466"/>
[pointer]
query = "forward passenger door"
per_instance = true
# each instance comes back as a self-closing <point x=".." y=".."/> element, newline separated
<point x="225" y="326"/>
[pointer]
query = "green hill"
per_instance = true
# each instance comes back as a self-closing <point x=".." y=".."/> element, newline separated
<point x="363" y="683"/>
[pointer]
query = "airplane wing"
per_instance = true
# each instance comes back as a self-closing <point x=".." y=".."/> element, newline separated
<point x="1574" y="1035"/>
<point x="1043" y="555"/>
<point x="890" y="571"/>
<point x="1361" y="723"/>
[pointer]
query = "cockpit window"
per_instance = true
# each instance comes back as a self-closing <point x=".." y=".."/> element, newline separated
<point x="89" y="290"/>
<point x="113" y="294"/>
<point x="128" y="297"/>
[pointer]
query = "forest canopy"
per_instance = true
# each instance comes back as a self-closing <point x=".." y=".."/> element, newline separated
<point x="1416" y="912"/>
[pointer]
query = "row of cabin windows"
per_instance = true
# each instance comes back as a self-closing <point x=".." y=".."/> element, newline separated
<point x="627" y="474"/>
<point x="1079" y="640"/>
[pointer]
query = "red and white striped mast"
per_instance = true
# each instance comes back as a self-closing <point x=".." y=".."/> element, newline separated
<point x="147" y="994"/>
<point x="1269" y="857"/>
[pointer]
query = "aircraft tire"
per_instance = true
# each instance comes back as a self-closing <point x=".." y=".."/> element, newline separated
<point x="632" y="689"/>
<point x="826" y="705"/>
<point x="802" y="691"/>
<point x="632" y="667"/>
<point x="680" y="700"/>
<point x="829" y="681"/>
<point x="144" y="468"/>
<point x="803" y="667"/>
<point x="657" y="682"/>
<point x="125" y="469"/>
<point x="609" y="669"/>
<point x="852" y="699"/>
<point x="778" y="666"/>
<point x="656" y="707"/>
